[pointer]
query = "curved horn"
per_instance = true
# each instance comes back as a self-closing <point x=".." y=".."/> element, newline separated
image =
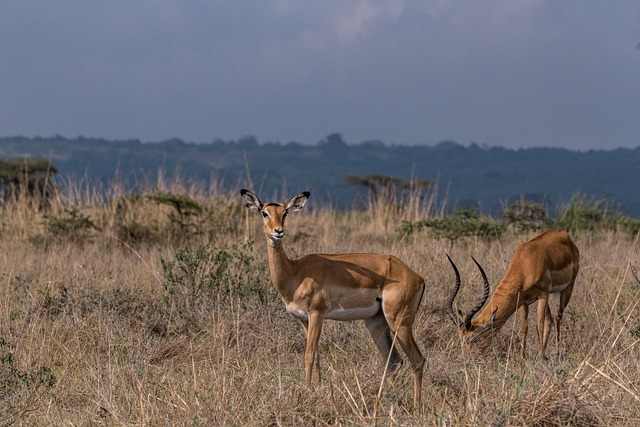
<point x="452" y="314"/>
<point x="485" y="296"/>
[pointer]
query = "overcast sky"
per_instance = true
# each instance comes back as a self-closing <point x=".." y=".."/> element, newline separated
<point x="511" y="73"/>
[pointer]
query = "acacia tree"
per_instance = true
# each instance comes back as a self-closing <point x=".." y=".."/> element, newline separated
<point x="390" y="191"/>
<point x="526" y="215"/>
<point x="30" y="178"/>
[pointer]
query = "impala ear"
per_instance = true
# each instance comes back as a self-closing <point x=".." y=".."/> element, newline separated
<point x="464" y="324"/>
<point x="251" y="201"/>
<point x="493" y="314"/>
<point x="297" y="202"/>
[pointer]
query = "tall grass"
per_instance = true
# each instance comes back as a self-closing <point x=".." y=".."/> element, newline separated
<point x="140" y="319"/>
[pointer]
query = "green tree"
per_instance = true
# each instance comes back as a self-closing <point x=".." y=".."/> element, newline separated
<point x="27" y="178"/>
<point x="389" y="191"/>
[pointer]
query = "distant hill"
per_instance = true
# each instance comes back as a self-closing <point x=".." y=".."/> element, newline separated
<point x="473" y="176"/>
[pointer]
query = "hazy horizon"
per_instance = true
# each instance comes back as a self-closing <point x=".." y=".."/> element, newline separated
<point x="319" y="141"/>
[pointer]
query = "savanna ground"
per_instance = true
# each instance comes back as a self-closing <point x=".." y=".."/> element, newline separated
<point x="160" y="311"/>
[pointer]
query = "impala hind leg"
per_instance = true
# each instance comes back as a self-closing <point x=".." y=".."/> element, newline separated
<point x="524" y="326"/>
<point x="565" y="296"/>
<point x="400" y="315"/>
<point x="404" y="335"/>
<point x="381" y="334"/>
<point x="410" y="347"/>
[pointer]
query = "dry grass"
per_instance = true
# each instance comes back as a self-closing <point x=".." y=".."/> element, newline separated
<point x="129" y="347"/>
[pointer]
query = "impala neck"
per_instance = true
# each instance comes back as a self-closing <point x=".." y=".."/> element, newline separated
<point x="502" y="294"/>
<point x="280" y="267"/>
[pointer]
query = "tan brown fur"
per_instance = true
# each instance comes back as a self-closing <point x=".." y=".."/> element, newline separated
<point x="379" y="289"/>
<point x="544" y="265"/>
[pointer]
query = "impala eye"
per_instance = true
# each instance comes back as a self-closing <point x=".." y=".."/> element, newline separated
<point x="264" y="214"/>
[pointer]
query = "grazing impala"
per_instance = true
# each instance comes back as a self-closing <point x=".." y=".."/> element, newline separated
<point x="546" y="264"/>
<point x="380" y="289"/>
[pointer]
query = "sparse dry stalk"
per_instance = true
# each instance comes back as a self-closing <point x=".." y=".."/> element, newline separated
<point x="96" y="313"/>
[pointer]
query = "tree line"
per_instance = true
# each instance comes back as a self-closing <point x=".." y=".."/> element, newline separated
<point x="477" y="177"/>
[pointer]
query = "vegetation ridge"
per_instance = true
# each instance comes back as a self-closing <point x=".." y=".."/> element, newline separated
<point x="481" y="177"/>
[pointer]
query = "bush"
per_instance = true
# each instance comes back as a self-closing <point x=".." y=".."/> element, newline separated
<point x="582" y="214"/>
<point x="463" y="223"/>
<point x="132" y="223"/>
<point x="166" y="218"/>
<point x="20" y="391"/>
<point x="525" y="215"/>
<point x="72" y="225"/>
<point x="29" y="178"/>
<point x="197" y="279"/>
<point x="187" y="210"/>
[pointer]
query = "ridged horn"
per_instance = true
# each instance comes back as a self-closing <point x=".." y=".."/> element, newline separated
<point x="485" y="296"/>
<point x="457" y="319"/>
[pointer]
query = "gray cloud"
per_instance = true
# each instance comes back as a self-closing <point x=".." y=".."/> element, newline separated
<point x="526" y="73"/>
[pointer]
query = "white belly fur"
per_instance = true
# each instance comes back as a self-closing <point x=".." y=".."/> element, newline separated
<point x="338" y="313"/>
<point x="354" y="313"/>
<point x="296" y="311"/>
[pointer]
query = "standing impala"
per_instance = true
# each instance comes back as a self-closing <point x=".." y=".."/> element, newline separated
<point x="546" y="264"/>
<point x="380" y="289"/>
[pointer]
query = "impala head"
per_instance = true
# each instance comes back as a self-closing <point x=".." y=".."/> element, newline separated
<point x="273" y="214"/>
<point x="469" y="332"/>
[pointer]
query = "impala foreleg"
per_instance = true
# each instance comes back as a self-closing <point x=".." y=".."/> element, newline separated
<point x="524" y="327"/>
<point x="544" y="325"/>
<point x="312" y="353"/>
